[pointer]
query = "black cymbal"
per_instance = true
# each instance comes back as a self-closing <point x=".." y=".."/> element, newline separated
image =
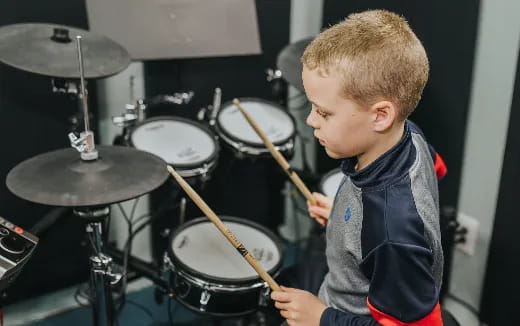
<point x="289" y="63"/>
<point x="51" y="50"/>
<point x="61" y="178"/>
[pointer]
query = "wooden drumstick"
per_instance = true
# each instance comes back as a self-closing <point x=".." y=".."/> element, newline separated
<point x="225" y="231"/>
<point x="277" y="155"/>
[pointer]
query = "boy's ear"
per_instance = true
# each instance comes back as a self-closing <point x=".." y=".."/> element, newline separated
<point x="385" y="114"/>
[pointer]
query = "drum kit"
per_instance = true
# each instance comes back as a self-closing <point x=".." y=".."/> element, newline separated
<point x="205" y="273"/>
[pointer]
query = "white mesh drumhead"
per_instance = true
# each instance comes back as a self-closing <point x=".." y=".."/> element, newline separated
<point x="275" y="123"/>
<point x="204" y="249"/>
<point x="331" y="182"/>
<point x="176" y="142"/>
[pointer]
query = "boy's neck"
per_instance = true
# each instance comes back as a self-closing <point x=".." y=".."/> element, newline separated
<point x="385" y="143"/>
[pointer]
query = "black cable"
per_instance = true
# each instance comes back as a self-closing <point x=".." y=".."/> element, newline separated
<point x="465" y="304"/>
<point x="131" y="235"/>
<point x="152" y="217"/>
<point x="134" y="206"/>
<point x="81" y="292"/>
<point x="147" y="311"/>
<point x="166" y="205"/>
<point x="127" y="249"/>
<point x="171" y="311"/>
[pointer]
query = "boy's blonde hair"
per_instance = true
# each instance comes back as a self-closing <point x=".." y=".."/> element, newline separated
<point x="377" y="56"/>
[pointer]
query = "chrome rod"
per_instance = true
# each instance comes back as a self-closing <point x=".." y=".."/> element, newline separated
<point x="82" y="79"/>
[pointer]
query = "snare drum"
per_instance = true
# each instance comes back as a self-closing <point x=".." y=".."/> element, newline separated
<point x="209" y="275"/>
<point x="330" y="182"/>
<point x="188" y="146"/>
<point x="233" y="128"/>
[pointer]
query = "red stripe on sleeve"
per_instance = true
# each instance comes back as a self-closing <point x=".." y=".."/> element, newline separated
<point x="432" y="319"/>
<point x="440" y="166"/>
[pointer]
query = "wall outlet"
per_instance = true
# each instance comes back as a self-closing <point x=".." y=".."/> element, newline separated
<point x="471" y="225"/>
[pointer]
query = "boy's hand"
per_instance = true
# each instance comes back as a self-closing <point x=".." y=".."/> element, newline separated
<point x="298" y="307"/>
<point x="321" y="211"/>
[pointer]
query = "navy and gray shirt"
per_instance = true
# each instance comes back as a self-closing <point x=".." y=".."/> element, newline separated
<point x="383" y="239"/>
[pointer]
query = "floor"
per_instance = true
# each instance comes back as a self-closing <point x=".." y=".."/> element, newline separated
<point x="64" y="307"/>
<point x="61" y="308"/>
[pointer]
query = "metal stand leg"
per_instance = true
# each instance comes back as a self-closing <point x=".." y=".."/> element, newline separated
<point x="101" y="276"/>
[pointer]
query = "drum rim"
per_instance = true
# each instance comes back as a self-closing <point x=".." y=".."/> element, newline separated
<point x="209" y="132"/>
<point x="220" y="130"/>
<point x="212" y="278"/>
<point x="325" y="177"/>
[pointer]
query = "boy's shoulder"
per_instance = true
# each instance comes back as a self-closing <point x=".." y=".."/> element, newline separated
<point x="411" y="157"/>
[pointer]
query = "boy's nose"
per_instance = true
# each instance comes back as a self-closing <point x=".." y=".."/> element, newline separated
<point x="311" y="120"/>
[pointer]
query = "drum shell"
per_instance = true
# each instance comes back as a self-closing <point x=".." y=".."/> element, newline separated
<point x="228" y="298"/>
<point x="243" y="148"/>
<point x="224" y="300"/>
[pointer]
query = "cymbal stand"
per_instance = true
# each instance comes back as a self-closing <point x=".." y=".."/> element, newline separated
<point x="101" y="276"/>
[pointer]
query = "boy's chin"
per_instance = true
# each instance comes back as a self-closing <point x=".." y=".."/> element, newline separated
<point x="334" y="155"/>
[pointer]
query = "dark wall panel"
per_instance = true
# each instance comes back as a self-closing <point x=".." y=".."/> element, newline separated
<point x="35" y="120"/>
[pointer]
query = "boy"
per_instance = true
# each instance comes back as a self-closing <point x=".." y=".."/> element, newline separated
<point x="364" y="77"/>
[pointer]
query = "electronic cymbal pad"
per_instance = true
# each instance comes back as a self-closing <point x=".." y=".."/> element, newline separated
<point x="50" y="50"/>
<point x="62" y="178"/>
<point x="289" y="62"/>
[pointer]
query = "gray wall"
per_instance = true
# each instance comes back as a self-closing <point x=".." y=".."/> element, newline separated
<point x="493" y="82"/>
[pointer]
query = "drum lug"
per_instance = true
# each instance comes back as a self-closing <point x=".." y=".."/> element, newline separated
<point x="263" y="301"/>
<point x="240" y="151"/>
<point x="289" y="149"/>
<point x="290" y="145"/>
<point x="201" y="115"/>
<point x="204" y="172"/>
<point x="204" y="299"/>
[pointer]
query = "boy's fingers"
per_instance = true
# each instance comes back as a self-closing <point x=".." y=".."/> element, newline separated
<point x="281" y="296"/>
<point x="281" y="305"/>
<point x="289" y="290"/>
<point x="322" y="201"/>
<point x="321" y="197"/>
<point x="319" y="211"/>
<point x="285" y="314"/>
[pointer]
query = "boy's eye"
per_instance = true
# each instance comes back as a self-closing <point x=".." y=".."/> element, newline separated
<point x="322" y="113"/>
